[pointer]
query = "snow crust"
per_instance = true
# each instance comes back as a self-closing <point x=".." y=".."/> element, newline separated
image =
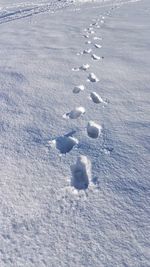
<point x="96" y="213"/>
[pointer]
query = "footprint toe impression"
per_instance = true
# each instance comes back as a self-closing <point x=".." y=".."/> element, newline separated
<point x="93" y="129"/>
<point x="75" y="113"/>
<point x="81" y="173"/>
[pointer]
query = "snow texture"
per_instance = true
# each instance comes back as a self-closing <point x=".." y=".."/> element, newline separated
<point x="52" y="214"/>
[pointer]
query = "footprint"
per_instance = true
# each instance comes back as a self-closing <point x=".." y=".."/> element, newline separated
<point x="77" y="89"/>
<point x="95" y="57"/>
<point x="85" y="67"/>
<point x="75" y="69"/>
<point x="88" y="42"/>
<point x="98" y="26"/>
<point x="90" y="29"/>
<point x="79" y="53"/>
<point x="86" y="36"/>
<point x="94" y="23"/>
<point x="102" y="21"/>
<point x="87" y="51"/>
<point x="75" y="113"/>
<point x="64" y="143"/>
<point x="97" y="46"/>
<point x="92" y="78"/>
<point x="97" y="38"/>
<point x="92" y="32"/>
<point x="81" y="173"/>
<point x="93" y="129"/>
<point x="96" y="98"/>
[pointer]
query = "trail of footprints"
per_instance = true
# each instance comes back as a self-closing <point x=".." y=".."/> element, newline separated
<point x="81" y="170"/>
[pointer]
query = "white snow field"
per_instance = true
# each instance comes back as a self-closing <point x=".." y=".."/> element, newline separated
<point x="55" y="210"/>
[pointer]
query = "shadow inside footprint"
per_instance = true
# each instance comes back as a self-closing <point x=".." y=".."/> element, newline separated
<point x="64" y="143"/>
<point x="81" y="173"/>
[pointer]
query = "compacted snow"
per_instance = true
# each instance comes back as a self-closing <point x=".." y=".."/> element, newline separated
<point x="74" y="133"/>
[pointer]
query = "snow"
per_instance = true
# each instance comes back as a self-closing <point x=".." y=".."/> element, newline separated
<point x="95" y="57"/>
<point x="46" y="218"/>
<point x="92" y="77"/>
<point x="78" y="88"/>
<point x="95" y="97"/>
<point x="81" y="173"/>
<point x="93" y="129"/>
<point x="75" y="113"/>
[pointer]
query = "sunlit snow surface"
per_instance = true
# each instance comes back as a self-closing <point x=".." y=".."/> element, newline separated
<point x="44" y="219"/>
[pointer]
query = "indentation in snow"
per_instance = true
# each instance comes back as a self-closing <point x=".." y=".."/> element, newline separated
<point x="64" y="143"/>
<point x="75" y="113"/>
<point x="77" y="89"/>
<point x="97" y="38"/>
<point x="87" y="51"/>
<point x="95" y="57"/>
<point x="81" y="173"/>
<point x="85" y="67"/>
<point x="98" y="46"/>
<point x="92" y="78"/>
<point x="93" y="129"/>
<point x="96" y="98"/>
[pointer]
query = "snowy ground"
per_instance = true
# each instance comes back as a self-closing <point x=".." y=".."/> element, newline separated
<point x="44" y="220"/>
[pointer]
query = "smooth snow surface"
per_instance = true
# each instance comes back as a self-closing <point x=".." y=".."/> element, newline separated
<point x="74" y="192"/>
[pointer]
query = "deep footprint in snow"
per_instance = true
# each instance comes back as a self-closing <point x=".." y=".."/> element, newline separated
<point x="75" y="113"/>
<point x="64" y="143"/>
<point x="92" y="78"/>
<point x="75" y="69"/>
<point x="96" y="98"/>
<point x="94" y="23"/>
<point x="88" y="42"/>
<point x="85" y="67"/>
<point x="93" y="129"/>
<point x="91" y="32"/>
<point x="86" y="36"/>
<point x="98" y="45"/>
<point x="97" y="38"/>
<point x="81" y="173"/>
<point x="95" y="57"/>
<point x="77" y="89"/>
<point x="87" y="51"/>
